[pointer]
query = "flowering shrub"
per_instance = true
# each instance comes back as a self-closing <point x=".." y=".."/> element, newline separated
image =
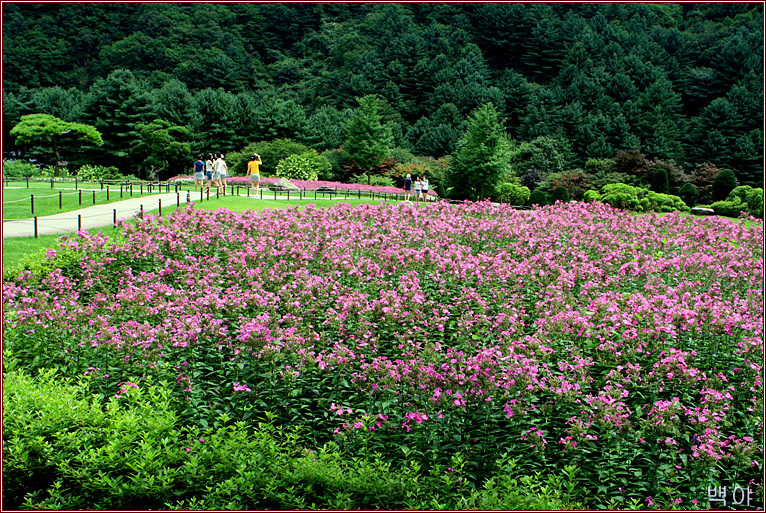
<point x="629" y="347"/>
<point x="303" y="166"/>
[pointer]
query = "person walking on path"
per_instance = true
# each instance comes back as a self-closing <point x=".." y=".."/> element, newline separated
<point x="220" y="172"/>
<point x="253" y="171"/>
<point x="407" y="187"/>
<point x="209" y="170"/>
<point x="199" y="175"/>
<point x="424" y="188"/>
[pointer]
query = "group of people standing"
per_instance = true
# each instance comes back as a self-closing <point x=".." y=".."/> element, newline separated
<point x="420" y="186"/>
<point x="215" y="170"/>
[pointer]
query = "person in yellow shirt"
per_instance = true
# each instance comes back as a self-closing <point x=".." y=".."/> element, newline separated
<point x="253" y="171"/>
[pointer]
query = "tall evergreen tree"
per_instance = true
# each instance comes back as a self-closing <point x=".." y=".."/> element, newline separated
<point x="482" y="156"/>
<point x="367" y="140"/>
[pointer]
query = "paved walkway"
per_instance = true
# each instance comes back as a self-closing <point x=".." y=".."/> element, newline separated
<point x="94" y="216"/>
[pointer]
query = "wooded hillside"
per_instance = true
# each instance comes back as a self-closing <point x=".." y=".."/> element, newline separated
<point x="674" y="81"/>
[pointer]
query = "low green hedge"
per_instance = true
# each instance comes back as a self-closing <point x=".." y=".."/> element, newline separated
<point x="64" y="450"/>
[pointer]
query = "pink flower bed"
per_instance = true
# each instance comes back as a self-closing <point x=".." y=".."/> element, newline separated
<point x="576" y="332"/>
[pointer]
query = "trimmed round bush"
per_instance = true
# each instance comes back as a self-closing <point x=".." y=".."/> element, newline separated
<point x="689" y="194"/>
<point x="755" y="202"/>
<point x="560" y="193"/>
<point x="538" y="197"/>
<point x="303" y="166"/>
<point x="723" y="184"/>
<point x="660" y="181"/>
<point x="512" y="193"/>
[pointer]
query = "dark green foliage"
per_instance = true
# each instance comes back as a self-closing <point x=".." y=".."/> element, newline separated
<point x="660" y="182"/>
<point x="663" y="81"/>
<point x="538" y="197"/>
<point x="560" y="193"/>
<point x="689" y="194"/>
<point x="723" y="184"/>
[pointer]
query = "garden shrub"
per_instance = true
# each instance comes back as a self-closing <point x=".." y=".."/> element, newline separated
<point x="723" y="184"/>
<point x="64" y="449"/>
<point x="621" y="195"/>
<point x="538" y="197"/>
<point x="91" y="173"/>
<point x="303" y="166"/>
<point x="560" y="193"/>
<point x="729" y="208"/>
<point x="373" y="180"/>
<point x="19" y="169"/>
<point x="591" y="196"/>
<point x="754" y="201"/>
<point x="657" y="202"/>
<point x="741" y="199"/>
<point x="271" y="152"/>
<point x="689" y="194"/>
<point x="511" y="193"/>
<point x="660" y="182"/>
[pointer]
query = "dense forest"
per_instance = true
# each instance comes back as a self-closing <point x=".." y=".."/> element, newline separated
<point x="672" y="82"/>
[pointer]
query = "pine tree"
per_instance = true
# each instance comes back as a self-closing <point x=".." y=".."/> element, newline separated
<point x="482" y="156"/>
<point x="367" y="140"/>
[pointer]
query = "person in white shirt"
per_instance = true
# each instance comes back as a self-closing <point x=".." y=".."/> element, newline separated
<point x="424" y="188"/>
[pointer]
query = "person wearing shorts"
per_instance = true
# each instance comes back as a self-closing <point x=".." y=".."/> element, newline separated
<point x="407" y="187"/>
<point x="253" y="171"/>
<point x="199" y="175"/>
<point x="417" y="189"/>
<point x="209" y="170"/>
<point x="424" y="188"/>
<point x="219" y="171"/>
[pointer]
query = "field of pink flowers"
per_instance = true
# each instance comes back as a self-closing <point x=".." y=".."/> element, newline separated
<point x="628" y="345"/>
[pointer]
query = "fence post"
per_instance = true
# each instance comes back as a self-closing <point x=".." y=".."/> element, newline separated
<point x="200" y="195"/>
<point x="51" y="183"/>
<point x="288" y="194"/>
<point x="160" y="205"/>
<point x="141" y="211"/>
<point x="61" y="200"/>
<point x="315" y="194"/>
<point x="107" y="193"/>
<point x="35" y="227"/>
<point x="79" y="222"/>
<point x="142" y="188"/>
<point x="120" y="190"/>
<point x="102" y="184"/>
<point x="275" y="194"/>
<point x="32" y="199"/>
<point x="94" y="197"/>
<point x="131" y="190"/>
<point x="27" y="182"/>
<point x="75" y="183"/>
<point x="114" y="216"/>
<point x="80" y="194"/>
<point x="261" y="193"/>
<point x="178" y="199"/>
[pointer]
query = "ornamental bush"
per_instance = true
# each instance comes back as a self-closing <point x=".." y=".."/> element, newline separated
<point x="654" y="201"/>
<point x="660" y="181"/>
<point x="538" y="197"/>
<point x="723" y="184"/>
<point x="561" y="194"/>
<point x="511" y="193"/>
<point x="591" y="196"/>
<point x="689" y="194"/>
<point x="741" y="199"/>
<point x="19" y="169"/>
<point x="303" y="166"/>
<point x="621" y="195"/>
<point x="96" y="173"/>
<point x="729" y="208"/>
<point x="755" y="202"/>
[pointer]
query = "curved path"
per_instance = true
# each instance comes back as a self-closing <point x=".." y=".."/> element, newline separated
<point x="94" y="216"/>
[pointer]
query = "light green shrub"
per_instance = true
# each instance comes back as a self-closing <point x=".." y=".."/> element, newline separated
<point x="658" y="202"/>
<point x="90" y="173"/>
<point x="621" y="195"/>
<point x="512" y="193"/>
<point x="729" y="208"/>
<point x="20" y="169"/>
<point x="303" y="166"/>
<point x="755" y="202"/>
<point x="591" y="196"/>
